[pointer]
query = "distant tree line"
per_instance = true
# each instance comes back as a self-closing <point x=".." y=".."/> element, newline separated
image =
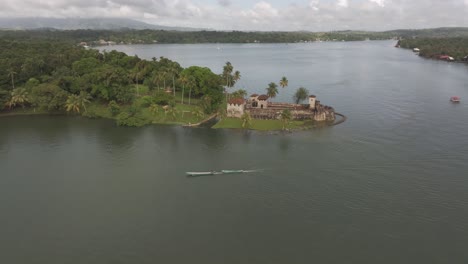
<point x="434" y="47"/>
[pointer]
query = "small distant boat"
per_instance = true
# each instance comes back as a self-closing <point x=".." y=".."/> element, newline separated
<point x="202" y="173"/>
<point x="455" y="99"/>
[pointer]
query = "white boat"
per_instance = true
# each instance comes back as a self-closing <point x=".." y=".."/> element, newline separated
<point x="201" y="173"/>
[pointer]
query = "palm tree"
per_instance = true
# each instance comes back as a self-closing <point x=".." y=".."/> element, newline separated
<point x="236" y="76"/>
<point x="198" y="113"/>
<point x="73" y="103"/>
<point x="300" y="95"/>
<point x="11" y="74"/>
<point x="272" y="90"/>
<point x="19" y="96"/>
<point x="241" y="93"/>
<point x="190" y="83"/>
<point x="246" y="120"/>
<point x="227" y="71"/>
<point x="283" y="82"/>
<point x="153" y="108"/>
<point x="286" y="117"/>
<point x="172" y="111"/>
<point x="184" y="79"/>
<point x="84" y="99"/>
<point x="173" y="70"/>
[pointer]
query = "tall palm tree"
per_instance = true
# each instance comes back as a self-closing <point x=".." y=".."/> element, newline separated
<point x="84" y="98"/>
<point x="300" y="95"/>
<point x="284" y="82"/>
<point x="11" y="74"/>
<point x="236" y="76"/>
<point x="227" y="71"/>
<point x="191" y="82"/>
<point x="173" y="70"/>
<point x="272" y="90"/>
<point x="184" y="79"/>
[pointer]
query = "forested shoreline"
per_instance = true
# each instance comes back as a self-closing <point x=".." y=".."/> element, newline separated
<point x="54" y="76"/>
<point x="436" y="47"/>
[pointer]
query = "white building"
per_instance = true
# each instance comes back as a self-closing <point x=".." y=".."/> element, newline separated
<point x="235" y="107"/>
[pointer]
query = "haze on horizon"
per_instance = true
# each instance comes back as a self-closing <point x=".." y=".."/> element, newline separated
<point x="264" y="15"/>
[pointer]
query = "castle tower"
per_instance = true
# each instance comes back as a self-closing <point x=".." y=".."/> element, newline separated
<point x="312" y="100"/>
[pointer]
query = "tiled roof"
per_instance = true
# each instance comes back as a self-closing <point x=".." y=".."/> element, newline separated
<point x="263" y="97"/>
<point x="236" y="101"/>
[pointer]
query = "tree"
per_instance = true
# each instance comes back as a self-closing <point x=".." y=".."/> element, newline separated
<point x="283" y="82"/>
<point x="19" y="96"/>
<point x="184" y="79"/>
<point x="236" y="76"/>
<point x="286" y="118"/>
<point x="72" y="103"/>
<point x="153" y="108"/>
<point x="246" y="120"/>
<point x="300" y="95"/>
<point x="75" y="102"/>
<point x="198" y="113"/>
<point x="172" y="111"/>
<point x="239" y="94"/>
<point x="272" y="90"/>
<point x="11" y="74"/>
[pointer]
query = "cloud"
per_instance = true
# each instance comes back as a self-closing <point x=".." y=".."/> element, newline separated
<point x="313" y="15"/>
<point x="342" y="3"/>
<point x="379" y="2"/>
<point x="226" y="3"/>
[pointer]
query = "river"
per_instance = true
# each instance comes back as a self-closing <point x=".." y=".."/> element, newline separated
<point x="387" y="186"/>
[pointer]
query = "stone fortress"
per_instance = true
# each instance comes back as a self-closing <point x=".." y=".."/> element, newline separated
<point x="259" y="107"/>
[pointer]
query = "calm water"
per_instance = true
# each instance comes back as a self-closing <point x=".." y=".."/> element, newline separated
<point x="388" y="186"/>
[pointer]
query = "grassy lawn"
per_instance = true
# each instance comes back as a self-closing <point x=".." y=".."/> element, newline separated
<point x="183" y="113"/>
<point x="257" y="124"/>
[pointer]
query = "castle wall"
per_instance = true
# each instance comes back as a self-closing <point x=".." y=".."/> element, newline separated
<point x="235" y="110"/>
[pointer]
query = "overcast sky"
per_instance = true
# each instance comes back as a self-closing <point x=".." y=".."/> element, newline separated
<point x="313" y="15"/>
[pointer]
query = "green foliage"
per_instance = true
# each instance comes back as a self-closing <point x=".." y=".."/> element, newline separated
<point x="133" y="117"/>
<point x="163" y="98"/>
<point x="18" y="97"/>
<point x="286" y="117"/>
<point x="239" y="94"/>
<point x="4" y="98"/>
<point x="272" y="90"/>
<point x="433" y="47"/>
<point x="246" y="120"/>
<point x="114" y="108"/>
<point x="300" y="95"/>
<point x="284" y="82"/>
<point x="48" y="97"/>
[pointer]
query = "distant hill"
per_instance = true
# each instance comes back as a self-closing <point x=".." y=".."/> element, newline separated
<point x="81" y="23"/>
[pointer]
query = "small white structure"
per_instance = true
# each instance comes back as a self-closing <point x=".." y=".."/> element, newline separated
<point x="235" y="107"/>
<point x="312" y="100"/>
<point x="416" y="50"/>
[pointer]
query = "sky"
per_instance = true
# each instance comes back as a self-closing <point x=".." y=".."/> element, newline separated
<point x="264" y="15"/>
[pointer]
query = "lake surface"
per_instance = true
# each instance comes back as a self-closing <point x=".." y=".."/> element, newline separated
<point x="387" y="186"/>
